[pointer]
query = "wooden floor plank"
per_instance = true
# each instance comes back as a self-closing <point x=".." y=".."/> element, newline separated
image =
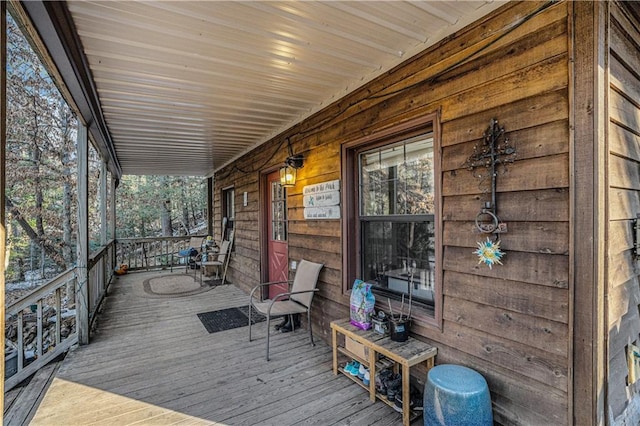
<point x="151" y="361"/>
<point x="337" y="414"/>
<point x="235" y="390"/>
<point x="25" y="406"/>
<point x="11" y="397"/>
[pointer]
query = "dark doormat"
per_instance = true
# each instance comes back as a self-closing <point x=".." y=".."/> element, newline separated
<point x="226" y="319"/>
<point x="213" y="282"/>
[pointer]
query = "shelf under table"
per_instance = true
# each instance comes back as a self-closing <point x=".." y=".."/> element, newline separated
<point x="404" y="354"/>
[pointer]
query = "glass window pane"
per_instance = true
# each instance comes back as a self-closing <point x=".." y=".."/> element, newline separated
<point x="399" y="257"/>
<point x="278" y="212"/>
<point x="229" y="205"/>
<point x="398" y="179"/>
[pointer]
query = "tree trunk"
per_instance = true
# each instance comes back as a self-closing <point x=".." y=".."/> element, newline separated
<point x="185" y="209"/>
<point x="43" y="258"/>
<point x="20" y="263"/>
<point x="66" y="220"/>
<point x="194" y="213"/>
<point x="67" y="202"/>
<point x="36" y="156"/>
<point x="167" y="228"/>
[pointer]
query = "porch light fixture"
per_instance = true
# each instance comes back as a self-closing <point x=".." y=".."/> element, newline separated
<point x="291" y="165"/>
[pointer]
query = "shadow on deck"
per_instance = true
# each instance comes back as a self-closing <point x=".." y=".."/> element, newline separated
<point x="151" y="361"/>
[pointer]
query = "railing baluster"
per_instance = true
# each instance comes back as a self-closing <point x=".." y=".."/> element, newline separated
<point x="39" y="339"/>
<point x="20" y="342"/>
<point x="156" y="256"/>
<point x="58" y="315"/>
<point x="144" y="255"/>
<point x="105" y="272"/>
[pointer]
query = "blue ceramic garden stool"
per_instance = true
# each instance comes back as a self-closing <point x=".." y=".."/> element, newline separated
<point x="456" y="396"/>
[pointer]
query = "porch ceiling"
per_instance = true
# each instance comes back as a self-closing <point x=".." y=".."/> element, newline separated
<point x="185" y="87"/>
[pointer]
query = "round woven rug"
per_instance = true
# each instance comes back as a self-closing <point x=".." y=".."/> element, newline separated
<point x="175" y="285"/>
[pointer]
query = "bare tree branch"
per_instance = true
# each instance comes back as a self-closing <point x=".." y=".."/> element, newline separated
<point x="48" y="248"/>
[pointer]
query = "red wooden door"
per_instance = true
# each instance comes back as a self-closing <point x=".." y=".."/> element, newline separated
<point x="278" y="253"/>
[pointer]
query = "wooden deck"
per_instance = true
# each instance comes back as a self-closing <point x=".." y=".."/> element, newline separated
<point x="151" y="361"/>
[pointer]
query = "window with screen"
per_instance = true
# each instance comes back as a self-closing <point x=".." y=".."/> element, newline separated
<point x="396" y="218"/>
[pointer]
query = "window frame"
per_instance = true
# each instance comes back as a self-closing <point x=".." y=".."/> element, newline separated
<point x="228" y="205"/>
<point x="272" y="209"/>
<point x="351" y="243"/>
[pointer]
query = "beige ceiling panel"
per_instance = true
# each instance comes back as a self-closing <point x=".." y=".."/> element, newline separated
<point x="187" y="86"/>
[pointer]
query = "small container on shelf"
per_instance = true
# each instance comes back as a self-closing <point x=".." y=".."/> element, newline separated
<point x="380" y="323"/>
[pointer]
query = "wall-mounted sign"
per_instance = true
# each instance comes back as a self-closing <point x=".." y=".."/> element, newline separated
<point x="322" y="200"/>
<point x="332" y="185"/>
<point x="331" y="212"/>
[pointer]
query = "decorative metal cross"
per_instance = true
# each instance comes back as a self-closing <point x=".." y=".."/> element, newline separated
<point x="495" y="150"/>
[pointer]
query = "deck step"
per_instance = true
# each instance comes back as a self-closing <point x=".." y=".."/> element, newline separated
<point x="22" y="402"/>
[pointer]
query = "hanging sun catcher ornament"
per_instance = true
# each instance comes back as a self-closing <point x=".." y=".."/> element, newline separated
<point x="489" y="252"/>
<point x="494" y="152"/>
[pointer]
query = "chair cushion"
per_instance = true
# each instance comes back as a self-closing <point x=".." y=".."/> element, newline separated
<point x="306" y="279"/>
<point x="284" y="307"/>
<point x="224" y="249"/>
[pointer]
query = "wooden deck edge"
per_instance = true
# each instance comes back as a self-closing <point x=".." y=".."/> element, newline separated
<point x="38" y="364"/>
<point x="25" y="404"/>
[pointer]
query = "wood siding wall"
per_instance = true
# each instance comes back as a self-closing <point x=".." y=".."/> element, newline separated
<point x="624" y="205"/>
<point x="511" y="323"/>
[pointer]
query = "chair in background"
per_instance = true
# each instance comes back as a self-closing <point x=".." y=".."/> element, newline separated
<point x="190" y="253"/>
<point x="220" y="260"/>
<point x="296" y="301"/>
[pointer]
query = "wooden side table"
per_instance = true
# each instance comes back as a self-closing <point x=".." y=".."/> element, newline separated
<point x="382" y="353"/>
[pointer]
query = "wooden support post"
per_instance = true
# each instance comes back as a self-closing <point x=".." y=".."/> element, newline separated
<point x="112" y="219"/>
<point x="3" y="141"/>
<point x="103" y="204"/>
<point x="210" y="206"/>
<point x="588" y="151"/>
<point x="82" y="283"/>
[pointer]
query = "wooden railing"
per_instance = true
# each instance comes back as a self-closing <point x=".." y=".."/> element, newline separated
<point x="151" y="253"/>
<point x="55" y="329"/>
<point x="101" y="266"/>
<point x="43" y="321"/>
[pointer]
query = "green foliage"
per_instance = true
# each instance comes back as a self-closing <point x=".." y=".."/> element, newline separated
<point x="142" y="199"/>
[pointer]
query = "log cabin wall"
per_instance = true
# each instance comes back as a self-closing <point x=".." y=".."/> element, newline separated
<point x="623" y="403"/>
<point x="511" y="322"/>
